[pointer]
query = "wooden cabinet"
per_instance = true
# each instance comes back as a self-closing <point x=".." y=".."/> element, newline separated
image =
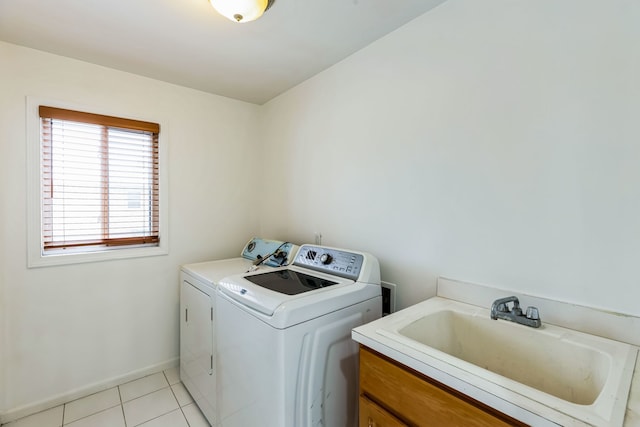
<point x="392" y="395"/>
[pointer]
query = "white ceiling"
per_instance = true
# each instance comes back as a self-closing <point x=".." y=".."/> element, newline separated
<point x="187" y="43"/>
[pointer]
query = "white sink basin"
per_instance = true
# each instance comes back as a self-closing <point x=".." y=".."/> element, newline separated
<point x="557" y="365"/>
<point x="563" y="371"/>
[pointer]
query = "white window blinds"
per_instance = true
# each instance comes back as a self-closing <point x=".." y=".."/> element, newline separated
<point x="100" y="181"/>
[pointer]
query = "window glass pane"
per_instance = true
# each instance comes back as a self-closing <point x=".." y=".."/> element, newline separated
<point x="130" y="183"/>
<point x="75" y="194"/>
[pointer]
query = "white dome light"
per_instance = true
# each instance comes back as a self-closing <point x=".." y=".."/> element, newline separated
<point x="241" y="10"/>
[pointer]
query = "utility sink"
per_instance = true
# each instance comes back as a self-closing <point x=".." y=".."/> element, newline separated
<point x="563" y="371"/>
<point x="556" y="364"/>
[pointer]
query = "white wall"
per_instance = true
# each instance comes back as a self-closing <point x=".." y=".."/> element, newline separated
<point x="496" y="142"/>
<point x="67" y="328"/>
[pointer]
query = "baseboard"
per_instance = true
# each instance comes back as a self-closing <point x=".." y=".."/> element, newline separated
<point x="33" y="408"/>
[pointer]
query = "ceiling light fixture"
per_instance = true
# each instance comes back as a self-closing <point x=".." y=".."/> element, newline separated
<point x="241" y="10"/>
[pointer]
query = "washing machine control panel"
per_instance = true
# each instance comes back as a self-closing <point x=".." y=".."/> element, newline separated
<point x="278" y="253"/>
<point x="332" y="261"/>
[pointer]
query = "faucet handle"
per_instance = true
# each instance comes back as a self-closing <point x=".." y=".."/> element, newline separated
<point x="516" y="310"/>
<point x="532" y="313"/>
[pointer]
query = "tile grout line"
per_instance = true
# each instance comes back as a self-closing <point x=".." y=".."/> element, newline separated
<point x="145" y="394"/>
<point x="154" y="418"/>
<point x="169" y="385"/>
<point x="161" y="415"/>
<point x="176" y="397"/>
<point x="122" y="407"/>
<point x="91" y="415"/>
<point x="64" y="408"/>
<point x="179" y="406"/>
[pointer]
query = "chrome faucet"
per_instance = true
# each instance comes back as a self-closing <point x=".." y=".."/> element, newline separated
<point x="500" y="310"/>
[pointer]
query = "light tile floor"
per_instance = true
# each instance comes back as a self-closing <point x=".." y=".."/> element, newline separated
<point x="158" y="400"/>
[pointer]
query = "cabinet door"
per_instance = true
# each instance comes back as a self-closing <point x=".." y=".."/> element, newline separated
<point x="372" y="415"/>
<point x="421" y="401"/>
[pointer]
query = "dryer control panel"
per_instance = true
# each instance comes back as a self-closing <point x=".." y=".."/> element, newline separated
<point x="331" y="261"/>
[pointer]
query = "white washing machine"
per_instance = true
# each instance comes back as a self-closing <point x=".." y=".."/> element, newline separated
<point x="198" y="283"/>
<point x="285" y="354"/>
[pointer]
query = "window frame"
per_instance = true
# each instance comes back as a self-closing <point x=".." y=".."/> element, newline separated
<point x="37" y="257"/>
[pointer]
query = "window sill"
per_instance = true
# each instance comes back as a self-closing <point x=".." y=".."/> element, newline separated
<point x="64" y="258"/>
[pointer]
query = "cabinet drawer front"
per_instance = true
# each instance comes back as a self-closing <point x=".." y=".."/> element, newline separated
<point x="372" y="415"/>
<point x="419" y="401"/>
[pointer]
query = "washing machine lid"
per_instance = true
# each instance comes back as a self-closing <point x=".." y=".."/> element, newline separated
<point x="266" y="292"/>
<point x="289" y="282"/>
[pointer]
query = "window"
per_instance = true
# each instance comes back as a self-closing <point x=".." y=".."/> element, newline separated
<point x="98" y="184"/>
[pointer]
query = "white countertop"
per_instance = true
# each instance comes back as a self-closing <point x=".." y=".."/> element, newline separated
<point x="632" y="418"/>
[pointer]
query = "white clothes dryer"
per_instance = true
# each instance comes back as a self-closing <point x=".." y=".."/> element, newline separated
<point x="285" y="354"/>
<point x="198" y="283"/>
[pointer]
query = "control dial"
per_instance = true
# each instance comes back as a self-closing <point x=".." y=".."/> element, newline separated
<point x="326" y="259"/>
